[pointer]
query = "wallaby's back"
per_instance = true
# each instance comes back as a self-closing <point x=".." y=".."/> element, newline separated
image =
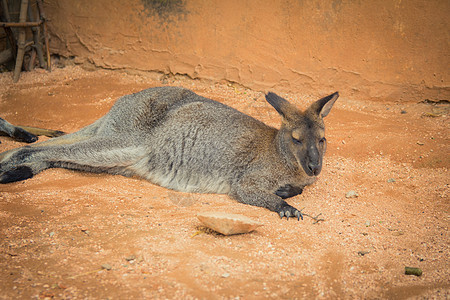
<point x="195" y="144"/>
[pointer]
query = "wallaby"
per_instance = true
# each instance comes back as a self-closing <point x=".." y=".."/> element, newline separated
<point x="24" y="133"/>
<point x="182" y="141"/>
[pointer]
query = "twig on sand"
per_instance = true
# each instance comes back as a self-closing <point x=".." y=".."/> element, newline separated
<point x="83" y="274"/>
<point x="316" y="218"/>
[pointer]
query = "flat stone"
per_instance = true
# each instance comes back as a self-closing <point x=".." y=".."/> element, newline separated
<point x="228" y="224"/>
<point x="352" y="194"/>
<point x="130" y="258"/>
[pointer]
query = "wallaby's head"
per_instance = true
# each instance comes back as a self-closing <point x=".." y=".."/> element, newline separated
<point x="302" y="134"/>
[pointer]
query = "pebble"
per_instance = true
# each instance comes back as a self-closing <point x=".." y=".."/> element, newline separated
<point x="106" y="267"/>
<point x="51" y="234"/>
<point x="413" y="271"/>
<point x="397" y="233"/>
<point x="225" y="275"/>
<point x="352" y="194"/>
<point x="130" y="258"/>
<point x="391" y="180"/>
<point x="364" y="252"/>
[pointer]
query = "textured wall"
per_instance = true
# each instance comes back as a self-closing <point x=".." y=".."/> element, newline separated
<point x="374" y="49"/>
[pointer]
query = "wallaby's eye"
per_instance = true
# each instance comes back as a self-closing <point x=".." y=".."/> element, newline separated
<point x="296" y="141"/>
<point x="322" y="141"/>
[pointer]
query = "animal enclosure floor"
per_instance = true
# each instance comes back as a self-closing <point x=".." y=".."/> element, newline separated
<point x="66" y="234"/>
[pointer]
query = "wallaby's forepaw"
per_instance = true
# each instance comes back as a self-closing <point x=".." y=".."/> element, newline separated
<point x="289" y="212"/>
<point x="288" y="191"/>
<point x="24" y="136"/>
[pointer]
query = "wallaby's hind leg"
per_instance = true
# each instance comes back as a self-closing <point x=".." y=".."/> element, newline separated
<point x="17" y="174"/>
<point x="25" y="133"/>
<point x="17" y="133"/>
<point x="94" y="154"/>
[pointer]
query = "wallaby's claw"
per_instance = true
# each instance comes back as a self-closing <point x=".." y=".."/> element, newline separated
<point x="298" y="214"/>
<point x="287" y="214"/>
<point x="290" y="212"/>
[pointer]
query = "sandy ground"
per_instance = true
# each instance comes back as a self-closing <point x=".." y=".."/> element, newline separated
<point x="58" y="229"/>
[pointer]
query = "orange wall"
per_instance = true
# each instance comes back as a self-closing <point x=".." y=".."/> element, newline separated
<point x="371" y="49"/>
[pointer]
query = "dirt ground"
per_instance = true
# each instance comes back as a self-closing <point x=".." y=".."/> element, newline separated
<point x="66" y="234"/>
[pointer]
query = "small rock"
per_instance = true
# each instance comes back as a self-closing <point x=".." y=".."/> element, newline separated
<point x="413" y="271"/>
<point x="367" y="223"/>
<point x="391" y="180"/>
<point x="228" y="224"/>
<point x="51" y="234"/>
<point x="403" y="112"/>
<point x="364" y="252"/>
<point x="420" y="143"/>
<point x="225" y="275"/>
<point x="130" y="258"/>
<point x="352" y="194"/>
<point x="106" y="267"/>
<point x="397" y="233"/>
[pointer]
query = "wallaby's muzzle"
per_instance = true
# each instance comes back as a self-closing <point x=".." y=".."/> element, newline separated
<point x="314" y="169"/>
<point x="312" y="163"/>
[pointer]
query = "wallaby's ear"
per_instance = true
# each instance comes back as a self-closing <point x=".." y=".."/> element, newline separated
<point x="283" y="107"/>
<point x="323" y="106"/>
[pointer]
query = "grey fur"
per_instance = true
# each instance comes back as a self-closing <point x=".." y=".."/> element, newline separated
<point x="182" y="141"/>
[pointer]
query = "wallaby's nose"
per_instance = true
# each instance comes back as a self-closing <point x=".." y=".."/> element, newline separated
<point x="314" y="168"/>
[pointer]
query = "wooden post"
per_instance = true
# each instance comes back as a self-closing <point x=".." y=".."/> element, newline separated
<point x="21" y="40"/>
<point x="44" y="32"/>
<point x="37" y="42"/>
